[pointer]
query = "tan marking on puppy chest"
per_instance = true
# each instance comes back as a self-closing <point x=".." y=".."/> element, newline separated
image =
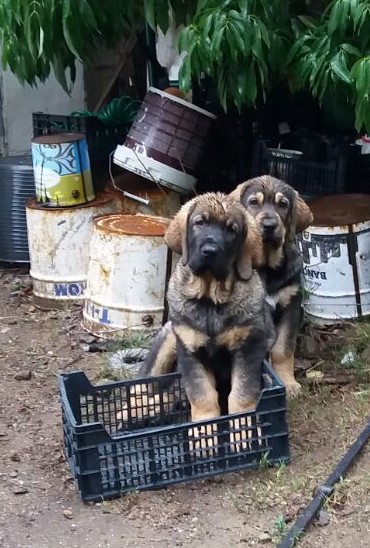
<point x="273" y="257"/>
<point x="233" y="337"/>
<point x="198" y="287"/>
<point x="190" y="338"/>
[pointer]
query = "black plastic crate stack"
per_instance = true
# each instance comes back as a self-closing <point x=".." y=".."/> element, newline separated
<point x="101" y="139"/>
<point x="310" y="178"/>
<point x="134" y="435"/>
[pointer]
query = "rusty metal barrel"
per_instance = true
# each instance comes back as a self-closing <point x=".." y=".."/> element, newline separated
<point x="336" y="255"/>
<point x="127" y="275"/>
<point x="59" y="240"/>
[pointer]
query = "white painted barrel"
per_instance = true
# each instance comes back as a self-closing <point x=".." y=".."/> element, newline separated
<point x="127" y="275"/>
<point x="59" y="240"/>
<point x="336" y="255"/>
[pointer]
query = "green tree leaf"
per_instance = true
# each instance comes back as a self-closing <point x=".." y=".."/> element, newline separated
<point x="352" y="50"/>
<point x="251" y="88"/>
<point x="339" y="67"/>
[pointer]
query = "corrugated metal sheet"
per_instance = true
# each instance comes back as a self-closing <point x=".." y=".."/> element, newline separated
<point x="16" y="187"/>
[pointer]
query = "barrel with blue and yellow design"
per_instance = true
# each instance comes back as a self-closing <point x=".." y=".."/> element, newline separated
<point x="62" y="171"/>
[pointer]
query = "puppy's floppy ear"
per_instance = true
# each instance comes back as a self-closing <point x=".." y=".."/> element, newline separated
<point x="304" y="216"/>
<point x="238" y="192"/>
<point x="251" y="255"/>
<point x="175" y="236"/>
<point x="301" y="216"/>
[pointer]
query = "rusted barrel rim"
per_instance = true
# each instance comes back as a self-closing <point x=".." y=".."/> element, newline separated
<point x="132" y="225"/>
<point x="58" y="138"/>
<point x="101" y="199"/>
<point x="340" y="210"/>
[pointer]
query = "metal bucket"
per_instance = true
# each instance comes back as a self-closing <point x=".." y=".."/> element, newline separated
<point x="59" y="240"/>
<point x="336" y="255"/>
<point x="166" y="141"/>
<point x="62" y="170"/>
<point x="127" y="275"/>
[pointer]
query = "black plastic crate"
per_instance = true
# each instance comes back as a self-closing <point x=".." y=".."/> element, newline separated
<point x="155" y="444"/>
<point x="101" y="139"/>
<point x="310" y="178"/>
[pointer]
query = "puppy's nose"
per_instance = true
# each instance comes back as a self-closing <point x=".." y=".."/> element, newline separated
<point x="209" y="250"/>
<point x="269" y="225"/>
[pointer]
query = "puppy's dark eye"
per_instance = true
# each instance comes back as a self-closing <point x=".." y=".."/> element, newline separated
<point x="283" y="204"/>
<point x="253" y="201"/>
<point x="232" y="228"/>
<point x="199" y="221"/>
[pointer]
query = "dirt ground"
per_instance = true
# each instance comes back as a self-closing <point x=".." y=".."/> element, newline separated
<point x="40" y="508"/>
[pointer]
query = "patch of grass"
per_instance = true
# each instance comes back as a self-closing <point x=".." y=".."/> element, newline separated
<point x="268" y="488"/>
<point x="264" y="461"/>
<point x="363" y="395"/>
<point x="280" y="528"/>
<point x="280" y="471"/>
<point x="339" y="497"/>
<point x="132" y="340"/>
<point x="135" y="339"/>
<point x="106" y="373"/>
<point x="347" y="339"/>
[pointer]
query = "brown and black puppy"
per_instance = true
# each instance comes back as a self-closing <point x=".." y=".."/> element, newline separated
<point x="220" y="326"/>
<point x="280" y="214"/>
<point x="217" y="307"/>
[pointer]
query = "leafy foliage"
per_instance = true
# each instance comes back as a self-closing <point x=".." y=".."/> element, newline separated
<point x="240" y="44"/>
<point x="331" y="56"/>
<point x="244" y="46"/>
<point x="39" y="35"/>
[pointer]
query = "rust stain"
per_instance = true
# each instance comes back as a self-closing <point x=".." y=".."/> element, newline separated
<point x="132" y="225"/>
<point x="58" y="138"/>
<point x="339" y="211"/>
<point x="162" y="201"/>
<point x="104" y="273"/>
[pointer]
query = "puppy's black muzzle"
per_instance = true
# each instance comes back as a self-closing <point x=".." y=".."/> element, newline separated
<point x="209" y="254"/>
<point x="209" y="250"/>
<point x="270" y="230"/>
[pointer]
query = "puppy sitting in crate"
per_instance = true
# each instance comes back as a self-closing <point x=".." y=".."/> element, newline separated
<point x="219" y="315"/>
<point x="280" y="213"/>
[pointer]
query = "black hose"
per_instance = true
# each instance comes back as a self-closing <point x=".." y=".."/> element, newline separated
<point x="324" y="491"/>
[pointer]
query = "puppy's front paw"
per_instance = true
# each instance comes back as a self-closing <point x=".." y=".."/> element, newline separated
<point x="293" y="388"/>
